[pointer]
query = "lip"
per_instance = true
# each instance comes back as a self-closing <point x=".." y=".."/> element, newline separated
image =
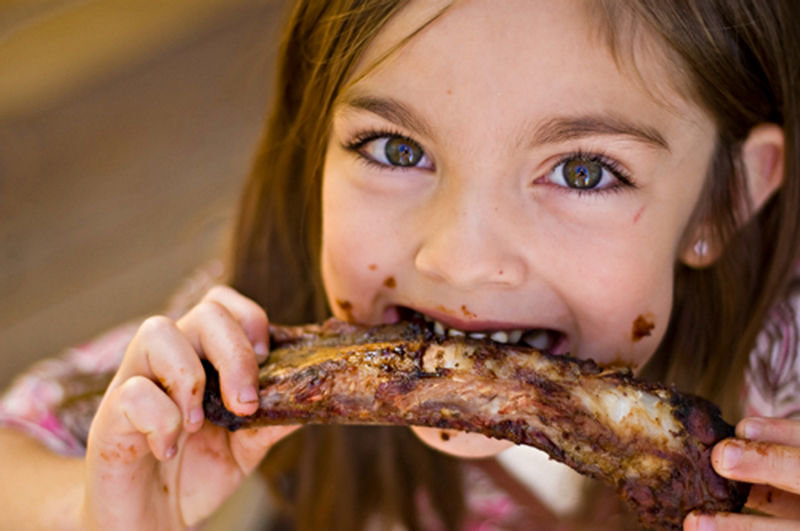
<point x="471" y="325"/>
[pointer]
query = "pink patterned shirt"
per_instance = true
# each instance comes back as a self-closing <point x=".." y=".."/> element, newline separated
<point x="37" y="402"/>
<point x="772" y="381"/>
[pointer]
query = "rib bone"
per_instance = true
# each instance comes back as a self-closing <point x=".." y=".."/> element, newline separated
<point x="649" y="442"/>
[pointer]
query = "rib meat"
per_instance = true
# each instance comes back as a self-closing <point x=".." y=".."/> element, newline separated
<point x="648" y="441"/>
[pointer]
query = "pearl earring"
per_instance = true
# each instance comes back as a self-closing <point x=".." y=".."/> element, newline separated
<point x="701" y="248"/>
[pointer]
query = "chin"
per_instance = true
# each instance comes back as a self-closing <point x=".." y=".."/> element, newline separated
<point x="461" y="444"/>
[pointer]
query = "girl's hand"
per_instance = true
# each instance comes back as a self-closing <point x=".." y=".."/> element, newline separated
<point x="152" y="462"/>
<point x="767" y="453"/>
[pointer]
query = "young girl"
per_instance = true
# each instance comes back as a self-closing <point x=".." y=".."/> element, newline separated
<point x="617" y="180"/>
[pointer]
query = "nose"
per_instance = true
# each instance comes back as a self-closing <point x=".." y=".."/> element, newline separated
<point x="468" y="243"/>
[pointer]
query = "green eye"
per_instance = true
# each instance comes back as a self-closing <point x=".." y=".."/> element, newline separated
<point x="392" y="151"/>
<point x="588" y="173"/>
<point x="582" y="173"/>
<point x="402" y="152"/>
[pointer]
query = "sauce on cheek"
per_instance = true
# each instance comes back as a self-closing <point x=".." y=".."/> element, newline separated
<point x="445" y="309"/>
<point x="347" y="308"/>
<point x="642" y="327"/>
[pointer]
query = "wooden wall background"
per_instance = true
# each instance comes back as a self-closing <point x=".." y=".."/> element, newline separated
<point x="126" y="129"/>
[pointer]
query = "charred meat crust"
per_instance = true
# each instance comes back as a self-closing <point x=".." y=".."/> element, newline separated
<point x="649" y="442"/>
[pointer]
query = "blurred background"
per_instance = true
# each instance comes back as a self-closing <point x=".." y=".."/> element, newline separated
<point x="126" y="131"/>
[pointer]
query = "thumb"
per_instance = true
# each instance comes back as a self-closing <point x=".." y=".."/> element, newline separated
<point x="251" y="445"/>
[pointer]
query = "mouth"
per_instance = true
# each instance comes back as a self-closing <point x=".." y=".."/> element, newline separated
<point x="543" y="339"/>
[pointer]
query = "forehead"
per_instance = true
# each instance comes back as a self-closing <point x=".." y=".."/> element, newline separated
<point x="513" y="54"/>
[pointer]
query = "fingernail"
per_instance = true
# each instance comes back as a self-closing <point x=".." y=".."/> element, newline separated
<point x="248" y="395"/>
<point x="171" y="451"/>
<point x="260" y="349"/>
<point x="196" y="415"/>
<point x="731" y="456"/>
<point x="753" y="429"/>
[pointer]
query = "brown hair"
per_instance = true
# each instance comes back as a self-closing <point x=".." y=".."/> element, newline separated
<point x="740" y="60"/>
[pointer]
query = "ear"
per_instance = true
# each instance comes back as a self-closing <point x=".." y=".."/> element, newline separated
<point x="762" y="158"/>
<point x="762" y="161"/>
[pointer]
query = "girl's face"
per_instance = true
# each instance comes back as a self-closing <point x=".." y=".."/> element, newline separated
<point x="501" y="172"/>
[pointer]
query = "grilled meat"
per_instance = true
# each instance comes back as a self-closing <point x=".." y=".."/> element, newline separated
<point x="648" y="441"/>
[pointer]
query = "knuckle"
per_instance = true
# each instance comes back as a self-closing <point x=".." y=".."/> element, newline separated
<point x="143" y="399"/>
<point x="155" y="326"/>
<point x="229" y="297"/>
<point x="256" y="313"/>
<point x="135" y="388"/>
<point x="221" y="291"/>
<point x="210" y="310"/>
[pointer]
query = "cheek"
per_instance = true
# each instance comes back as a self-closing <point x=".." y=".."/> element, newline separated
<point x="358" y="248"/>
<point x="354" y="225"/>
<point x="624" y="316"/>
<point x="346" y="272"/>
<point x="617" y="287"/>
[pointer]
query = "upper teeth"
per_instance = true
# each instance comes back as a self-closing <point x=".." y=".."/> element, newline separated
<point x="539" y="339"/>
<point x="500" y="336"/>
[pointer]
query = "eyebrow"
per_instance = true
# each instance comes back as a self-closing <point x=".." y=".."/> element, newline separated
<point x="564" y="128"/>
<point x="549" y="131"/>
<point x="390" y="109"/>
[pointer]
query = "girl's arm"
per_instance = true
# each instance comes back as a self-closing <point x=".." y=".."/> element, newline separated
<point x="766" y="452"/>
<point x="39" y="489"/>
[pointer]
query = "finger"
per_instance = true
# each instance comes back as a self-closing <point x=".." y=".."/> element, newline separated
<point x="161" y="352"/>
<point x="250" y="446"/>
<point x="736" y="522"/>
<point x="780" y="431"/>
<point x="215" y="333"/>
<point x="134" y="420"/>
<point x="757" y="462"/>
<point x="774" y="501"/>
<point x="252" y="317"/>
